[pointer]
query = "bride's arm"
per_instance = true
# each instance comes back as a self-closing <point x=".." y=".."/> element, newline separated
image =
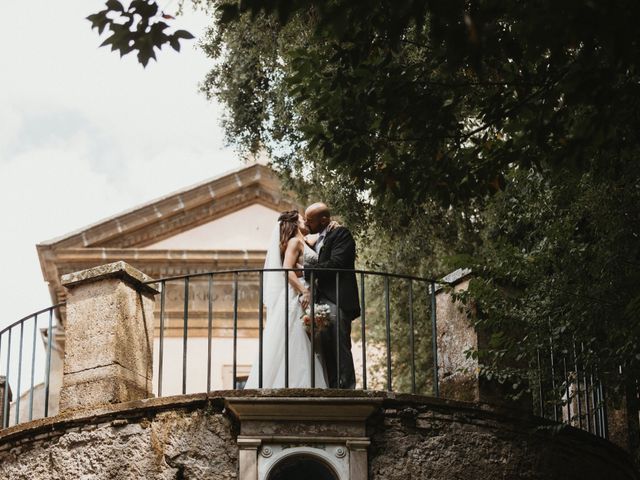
<point x="291" y="255"/>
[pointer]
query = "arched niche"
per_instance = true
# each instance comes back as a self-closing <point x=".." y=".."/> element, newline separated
<point x="329" y="430"/>
<point x="302" y="466"/>
<point x="306" y="462"/>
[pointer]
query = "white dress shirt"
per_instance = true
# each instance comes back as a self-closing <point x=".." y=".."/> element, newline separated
<point x="320" y="241"/>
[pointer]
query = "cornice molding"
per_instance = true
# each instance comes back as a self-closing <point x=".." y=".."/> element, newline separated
<point x="180" y="211"/>
<point x="124" y="236"/>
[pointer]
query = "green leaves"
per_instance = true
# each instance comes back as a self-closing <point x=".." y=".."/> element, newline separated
<point x="99" y="20"/>
<point x="182" y="34"/>
<point x="502" y="132"/>
<point x="557" y="264"/>
<point x="114" y="5"/>
<point x="138" y="28"/>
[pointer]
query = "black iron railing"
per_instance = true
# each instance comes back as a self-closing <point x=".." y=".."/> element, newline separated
<point x="25" y="357"/>
<point x="391" y="305"/>
<point x="569" y="389"/>
<point x="396" y="344"/>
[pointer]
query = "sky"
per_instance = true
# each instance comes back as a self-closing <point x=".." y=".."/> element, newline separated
<point x="85" y="134"/>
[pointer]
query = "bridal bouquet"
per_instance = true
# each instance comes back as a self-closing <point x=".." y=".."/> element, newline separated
<point x="322" y="318"/>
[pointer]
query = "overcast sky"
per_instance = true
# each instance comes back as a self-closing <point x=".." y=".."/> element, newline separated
<point x="84" y="134"/>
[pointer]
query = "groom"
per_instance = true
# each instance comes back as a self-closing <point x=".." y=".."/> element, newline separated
<point x="336" y="250"/>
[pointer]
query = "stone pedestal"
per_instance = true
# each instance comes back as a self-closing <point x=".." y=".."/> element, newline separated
<point x="331" y="431"/>
<point x="623" y="422"/>
<point x="109" y="337"/>
<point x="458" y="374"/>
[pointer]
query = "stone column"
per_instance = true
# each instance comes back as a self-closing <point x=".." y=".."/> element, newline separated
<point x="358" y="463"/>
<point x="109" y="337"/>
<point x="248" y="458"/>
<point x="457" y="374"/>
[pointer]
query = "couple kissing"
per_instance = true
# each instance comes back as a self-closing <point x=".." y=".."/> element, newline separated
<point x="311" y="240"/>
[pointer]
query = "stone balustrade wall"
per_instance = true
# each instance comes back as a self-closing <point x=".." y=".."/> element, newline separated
<point x="412" y="437"/>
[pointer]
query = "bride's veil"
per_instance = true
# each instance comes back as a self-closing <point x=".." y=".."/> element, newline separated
<point x="274" y="282"/>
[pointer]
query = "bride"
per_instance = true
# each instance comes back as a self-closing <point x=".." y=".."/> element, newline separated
<point x="287" y="249"/>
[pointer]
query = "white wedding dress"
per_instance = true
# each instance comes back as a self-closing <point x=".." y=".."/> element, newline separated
<point x="273" y="360"/>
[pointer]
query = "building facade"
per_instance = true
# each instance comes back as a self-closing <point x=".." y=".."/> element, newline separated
<point x="223" y="223"/>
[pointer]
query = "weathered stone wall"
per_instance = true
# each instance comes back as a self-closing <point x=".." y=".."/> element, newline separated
<point x="193" y="437"/>
<point x="411" y="440"/>
<point x="196" y="442"/>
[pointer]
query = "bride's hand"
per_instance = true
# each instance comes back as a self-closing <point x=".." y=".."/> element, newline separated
<point x="333" y="224"/>
<point x="305" y="299"/>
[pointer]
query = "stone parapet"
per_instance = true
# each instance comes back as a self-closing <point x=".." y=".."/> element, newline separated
<point x="109" y="337"/>
<point x="198" y="437"/>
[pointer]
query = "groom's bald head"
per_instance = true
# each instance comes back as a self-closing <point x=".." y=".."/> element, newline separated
<point x="318" y="217"/>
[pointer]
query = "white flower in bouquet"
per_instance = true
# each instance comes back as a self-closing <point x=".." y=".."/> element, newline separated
<point x="322" y="313"/>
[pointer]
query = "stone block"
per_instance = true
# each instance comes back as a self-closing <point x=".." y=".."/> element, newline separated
<point x="109" y="336"/>
<point x="3" y="387"/>
<point x="458" y="373"/>
<point x="104" y="329"/>
<point x="103" y="385"/>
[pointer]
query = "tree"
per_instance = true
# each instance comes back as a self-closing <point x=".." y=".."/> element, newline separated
<point x="498" y="134"/>
<point x="517" y="122"/>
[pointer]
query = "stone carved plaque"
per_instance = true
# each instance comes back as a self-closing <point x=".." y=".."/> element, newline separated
<point x="221" y="295"/>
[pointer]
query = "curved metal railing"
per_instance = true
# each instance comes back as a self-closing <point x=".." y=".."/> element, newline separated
<point x="380" y="318"/>
<point x="395" y="344"/>
<point x="568" y="388"/>
<point x="19" y="355"/>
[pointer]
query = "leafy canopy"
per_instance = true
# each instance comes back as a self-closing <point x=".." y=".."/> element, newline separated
<point x="498" y="134"/>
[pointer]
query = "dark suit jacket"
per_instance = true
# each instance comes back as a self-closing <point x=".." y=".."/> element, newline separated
<point x="339" y="251"/>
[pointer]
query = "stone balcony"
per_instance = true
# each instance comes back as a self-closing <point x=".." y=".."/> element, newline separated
<point x="110" y="426"/>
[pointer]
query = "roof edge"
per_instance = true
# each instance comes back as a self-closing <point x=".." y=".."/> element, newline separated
<point x="61" y="238"/>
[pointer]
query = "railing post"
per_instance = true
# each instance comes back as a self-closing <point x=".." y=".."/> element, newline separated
<point x="3" y="390"/>
<point x="109" y="337"/>
<point x="434" y="339"/>
<point x="456" y="334"/>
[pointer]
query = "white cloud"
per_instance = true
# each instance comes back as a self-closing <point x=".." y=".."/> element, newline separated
<point x="84" y="134"/>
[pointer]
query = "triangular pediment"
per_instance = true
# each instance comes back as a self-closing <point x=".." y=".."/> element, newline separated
<point x="181" y="211"/>
<point x="221" y="223"/>
<point x="246" y="229"/>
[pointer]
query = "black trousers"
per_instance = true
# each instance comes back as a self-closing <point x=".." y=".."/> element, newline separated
<point x="336" y="342"/>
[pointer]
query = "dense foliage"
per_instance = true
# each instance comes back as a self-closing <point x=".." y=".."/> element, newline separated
<point x="493" y="134"/>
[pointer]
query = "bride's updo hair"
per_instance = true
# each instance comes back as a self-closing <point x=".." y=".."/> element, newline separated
<point x="288" y="228"/>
